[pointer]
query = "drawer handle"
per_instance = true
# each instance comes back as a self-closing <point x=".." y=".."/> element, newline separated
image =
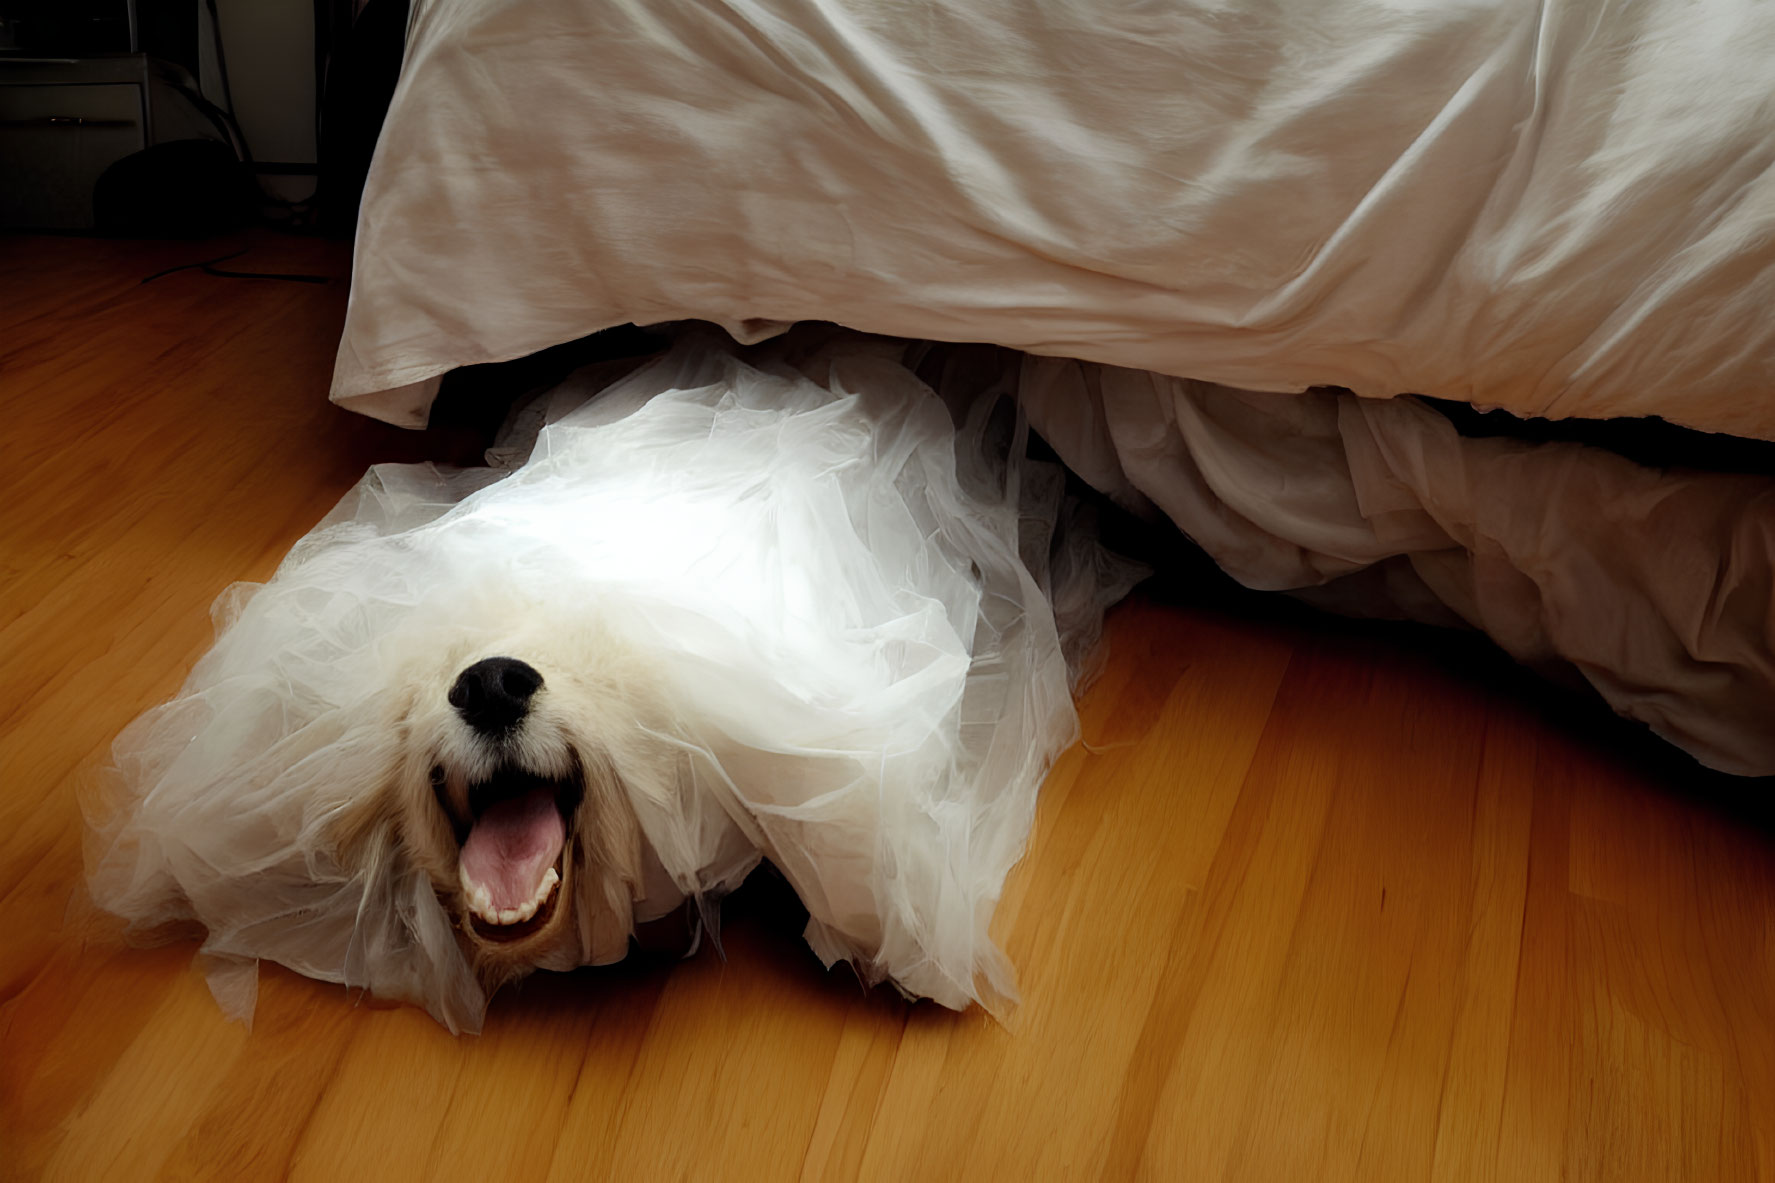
<point x="67" y="121"/>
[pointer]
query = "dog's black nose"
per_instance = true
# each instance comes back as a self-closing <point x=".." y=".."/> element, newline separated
<point x="493" y="695"/>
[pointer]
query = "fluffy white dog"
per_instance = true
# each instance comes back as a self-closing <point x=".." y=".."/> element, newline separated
<point x="487" y="721"/>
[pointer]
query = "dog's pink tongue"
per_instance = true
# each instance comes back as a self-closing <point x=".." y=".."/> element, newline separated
<point x="512" y="847"/>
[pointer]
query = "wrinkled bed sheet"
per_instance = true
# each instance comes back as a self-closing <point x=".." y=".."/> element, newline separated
<point x="1658" y="586"/>
<point x="1553" y="206"/>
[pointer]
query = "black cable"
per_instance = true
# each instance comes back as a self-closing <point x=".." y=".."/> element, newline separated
<point x="223" y="121"/>
<point x="329" y="32"/>
<point x="290" y="277"/>
<point x="223" y="117"/>
<point x="208" y="267"/>
<point x="221" y="55"/>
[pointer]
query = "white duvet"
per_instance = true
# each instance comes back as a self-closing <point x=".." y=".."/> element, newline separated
<point x="1564" y="208"/>
<point x="1656" y="587"/>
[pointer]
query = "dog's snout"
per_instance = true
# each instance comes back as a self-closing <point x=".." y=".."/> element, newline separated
<point x="493" y="695"/>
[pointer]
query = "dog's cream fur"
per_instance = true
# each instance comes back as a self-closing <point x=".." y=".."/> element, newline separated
<point x="592" y="721"/>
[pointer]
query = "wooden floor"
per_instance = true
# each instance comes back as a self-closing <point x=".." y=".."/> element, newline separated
<point x="1320" y="902"/>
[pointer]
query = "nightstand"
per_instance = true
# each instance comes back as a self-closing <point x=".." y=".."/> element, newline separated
<point x="63" y="121"/>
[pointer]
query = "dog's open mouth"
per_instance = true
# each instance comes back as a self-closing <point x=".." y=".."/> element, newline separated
<point x="511" y="861"/>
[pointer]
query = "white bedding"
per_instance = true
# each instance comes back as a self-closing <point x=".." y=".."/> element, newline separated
<point x="1563" y="208"/>
<point x="1654" y="586"/>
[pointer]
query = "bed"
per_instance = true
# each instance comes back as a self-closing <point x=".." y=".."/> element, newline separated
<point x="1237" y="247"/>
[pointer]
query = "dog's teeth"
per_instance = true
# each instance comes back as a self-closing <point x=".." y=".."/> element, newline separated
<point x="476" y="892"/>
<point x="480" y="899"/>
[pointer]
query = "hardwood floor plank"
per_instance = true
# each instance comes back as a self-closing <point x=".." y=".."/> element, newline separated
<point x="1470" y="1093"/>
<point x="131" y="1121"/>
<point x="1310" y="901"/>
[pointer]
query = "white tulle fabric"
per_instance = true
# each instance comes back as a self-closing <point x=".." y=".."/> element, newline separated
<point x="846" y="596"/>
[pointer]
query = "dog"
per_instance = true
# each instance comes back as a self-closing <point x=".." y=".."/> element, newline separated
<point x="723" y="610"/>
<point x="510" y="794"/>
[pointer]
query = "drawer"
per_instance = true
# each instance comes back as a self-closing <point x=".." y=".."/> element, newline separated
<point x="55" y="140"/>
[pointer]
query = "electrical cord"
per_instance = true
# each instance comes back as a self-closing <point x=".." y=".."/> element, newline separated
<point x="224" y="122"/>
<point x="208" y="267"/>
<point x="222" y="116"/>
<point x="221" y="56"/>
